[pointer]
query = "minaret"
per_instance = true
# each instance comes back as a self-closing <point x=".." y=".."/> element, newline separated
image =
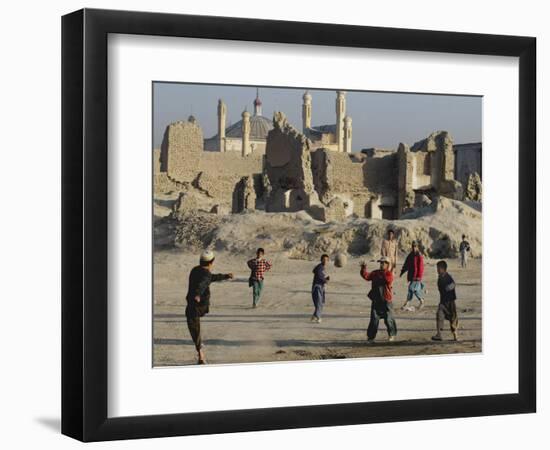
<point x="347" y="134"/>
<point x="340" y="113"/>
<point x="306" y="112"/>
<point x="222" y="112"/>
<point x="246" y="133"/>
<point x="257" y="104"/>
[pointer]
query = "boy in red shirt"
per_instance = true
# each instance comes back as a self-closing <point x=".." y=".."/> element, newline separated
<point x="414" y="266"/>
<point x="381" y="296"/>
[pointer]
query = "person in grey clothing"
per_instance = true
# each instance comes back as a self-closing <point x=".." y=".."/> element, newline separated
<point x="320" y="279"/>
<point x="464" y="249"/>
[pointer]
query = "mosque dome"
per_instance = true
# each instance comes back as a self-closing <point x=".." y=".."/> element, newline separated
<point x="259" y="127"/>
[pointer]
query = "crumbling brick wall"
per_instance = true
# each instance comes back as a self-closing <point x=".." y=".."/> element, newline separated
<point x="219" y="173"/>
<point x="156" y="161"/>
<point x="347" y="175"/>
<point x="181" y="150"/>
<point x="288" y="168"/>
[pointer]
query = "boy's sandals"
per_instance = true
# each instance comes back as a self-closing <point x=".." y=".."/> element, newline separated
<point x="437" y="337"/>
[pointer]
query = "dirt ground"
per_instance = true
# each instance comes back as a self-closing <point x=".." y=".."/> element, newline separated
<point x="279" y="329"/>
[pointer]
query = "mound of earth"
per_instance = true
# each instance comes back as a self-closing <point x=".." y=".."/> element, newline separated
<point x="438" y="229"/>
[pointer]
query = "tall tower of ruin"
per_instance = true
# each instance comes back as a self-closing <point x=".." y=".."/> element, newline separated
<point x="347" y="134"/>
<point x="340" y="113"/>
<point x="306" y="111"/>
<point x="222" y="113"/>
<point x="257" y="104"/>
<point x="246" y="133"/>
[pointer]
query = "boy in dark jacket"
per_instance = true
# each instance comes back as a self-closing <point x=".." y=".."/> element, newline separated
<point x="198" y="298"/>
<point x="320" y="279"/>
<point x="447" y="307"/>
<point x="381" y="296"/>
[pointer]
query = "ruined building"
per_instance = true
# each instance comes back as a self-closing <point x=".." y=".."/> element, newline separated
<point x="467" y="161"/>
<point x="309" y="170"/>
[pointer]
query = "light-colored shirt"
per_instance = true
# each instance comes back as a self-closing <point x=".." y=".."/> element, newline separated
<point x="389" y="249"/>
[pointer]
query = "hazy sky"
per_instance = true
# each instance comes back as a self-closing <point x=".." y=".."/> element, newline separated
<point x="380" y="119"/>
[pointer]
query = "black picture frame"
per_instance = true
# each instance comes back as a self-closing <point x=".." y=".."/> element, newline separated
<point x="84" y="224"/>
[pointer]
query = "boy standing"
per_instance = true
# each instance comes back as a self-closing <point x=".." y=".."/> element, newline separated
<point x="447" y="307"/>
<point x="389" y="249"/>
<point x="320" y="279"/>
<point x="381" y="296"/>
<point x="414" y="266"/>
<point x="464" y="249"/>
<point x="258" y="266"/>
<point x="198" y="298"/>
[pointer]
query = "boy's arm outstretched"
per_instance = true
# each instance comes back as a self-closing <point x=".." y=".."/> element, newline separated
<point x="221" y="276"/>
<point x="364" y="273"/>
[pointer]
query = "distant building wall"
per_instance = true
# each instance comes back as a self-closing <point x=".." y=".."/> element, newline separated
<point x="422" y="170"/>
<point x="234" y="145"/>
<point x="230" y="164"/>
<point x="381" y="173"/>
<point x="219" y="173"/>
<point x="468" y="160"/>
<point x="347" y="175"/>
<point x="366" y="185"/>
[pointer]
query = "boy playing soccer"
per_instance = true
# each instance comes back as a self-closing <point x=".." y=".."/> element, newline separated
<point x="381" y="297"/>
<point x="414" y="266"/>
<point x="447" y="307"/>
<point x="258" y="267"/>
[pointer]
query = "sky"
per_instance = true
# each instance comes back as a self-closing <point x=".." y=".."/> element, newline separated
<point x="379" y="119"/>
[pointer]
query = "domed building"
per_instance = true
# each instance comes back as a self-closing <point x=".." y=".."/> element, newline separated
<point x="248" y="135"/>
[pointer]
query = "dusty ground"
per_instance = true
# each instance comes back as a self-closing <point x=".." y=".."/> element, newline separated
<point x="280" y="330"/>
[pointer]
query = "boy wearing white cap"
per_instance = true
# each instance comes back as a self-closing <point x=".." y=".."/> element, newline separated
<point x="198" y="298"/>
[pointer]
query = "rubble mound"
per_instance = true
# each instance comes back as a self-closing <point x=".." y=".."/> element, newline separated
<point x="437" y="227"/>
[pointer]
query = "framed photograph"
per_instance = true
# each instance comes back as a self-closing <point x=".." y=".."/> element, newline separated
<point x="273" y="225"/>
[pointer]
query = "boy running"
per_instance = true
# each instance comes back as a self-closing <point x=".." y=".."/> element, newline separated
<point x="447" y="307"/>
<point x="258" y="266"/>
<point x="414" y="266"/>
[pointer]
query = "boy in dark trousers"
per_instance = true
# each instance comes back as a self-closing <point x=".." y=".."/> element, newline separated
<point x="447" y="307"/>
<point x="198" y="298"/>
<point x="320" y="279"/>
<point x="381" y="296"/>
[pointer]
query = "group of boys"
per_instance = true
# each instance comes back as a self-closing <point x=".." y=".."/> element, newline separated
<point x="381" y="293"/>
